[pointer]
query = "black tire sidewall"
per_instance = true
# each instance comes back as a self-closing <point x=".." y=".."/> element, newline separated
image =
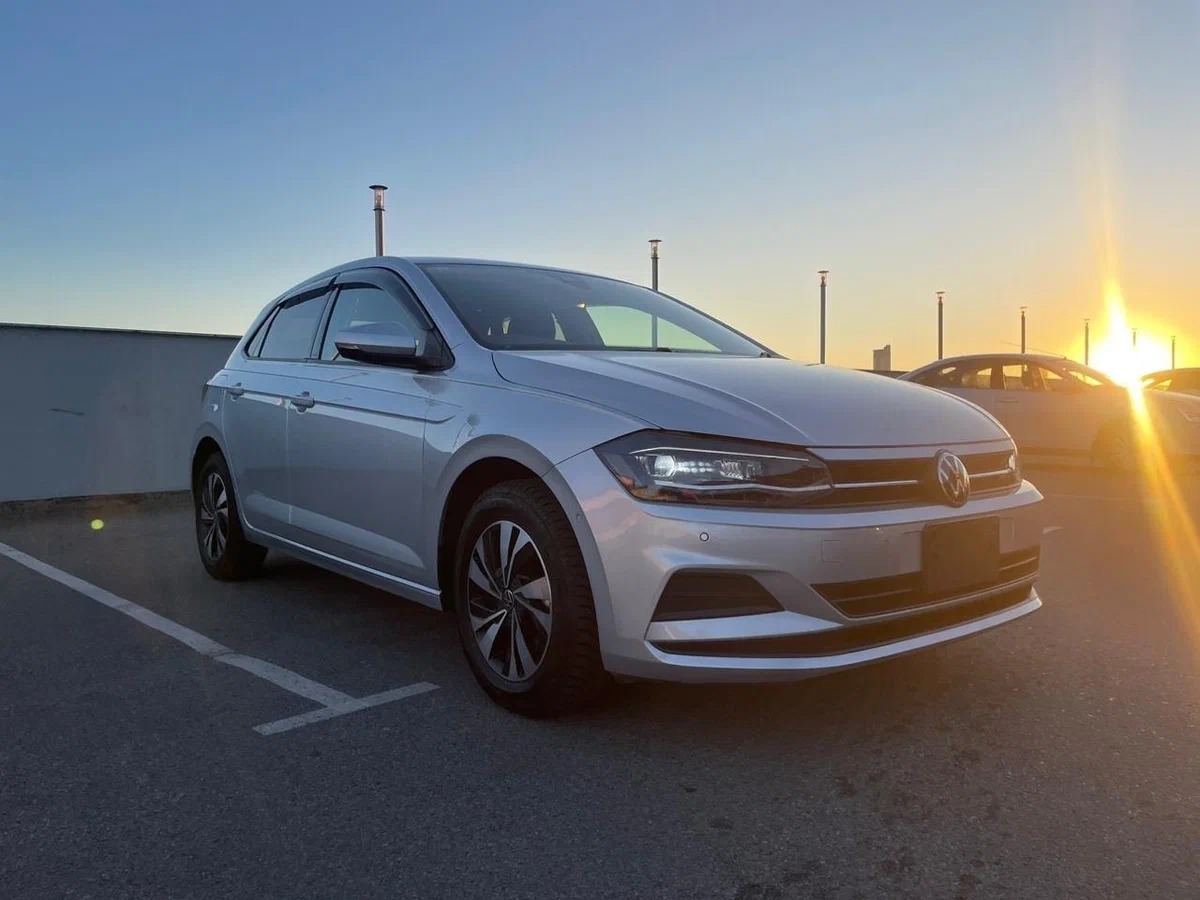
<point x="499" y="504"/>
<point x="1114" y="438"/>
<point x="241" y="557"/>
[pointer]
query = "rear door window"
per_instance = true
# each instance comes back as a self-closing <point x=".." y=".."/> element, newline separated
<point x="290" y="334"/>
<point x="1023" y="377"/>
<point x="974" y="375"/>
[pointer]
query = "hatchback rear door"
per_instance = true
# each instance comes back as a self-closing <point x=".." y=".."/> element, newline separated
<point x="254" y="415"/>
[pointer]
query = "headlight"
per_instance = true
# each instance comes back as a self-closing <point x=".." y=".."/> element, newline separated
<point x="678" y="468"/>
<point x="1014" y="465"/>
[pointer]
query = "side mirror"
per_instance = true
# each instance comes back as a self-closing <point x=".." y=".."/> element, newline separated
<point x="377" y="342"/>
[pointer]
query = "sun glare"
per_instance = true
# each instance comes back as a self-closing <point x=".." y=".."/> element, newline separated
<point x="1113" y="351"/>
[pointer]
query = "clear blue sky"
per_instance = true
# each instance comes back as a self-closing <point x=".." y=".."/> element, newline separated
<point x="174" y="166"/>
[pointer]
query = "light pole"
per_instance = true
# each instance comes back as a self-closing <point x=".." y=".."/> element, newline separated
<point x="378" y="190"/>
<point x="1023" y="308"/>
<point x="1087" y="340"/>
<point x="654" y="242"/>
<point x="824" y="273"/>
<point x="940" y="295"/>
<point x="1172" y="351"/>
<point x="1135" y="339"/>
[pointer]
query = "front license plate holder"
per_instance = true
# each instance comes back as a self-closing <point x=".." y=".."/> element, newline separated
<point x="956" y="556"/>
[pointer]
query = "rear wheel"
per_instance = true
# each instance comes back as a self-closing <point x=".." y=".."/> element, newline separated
<point x="524" y="603"/>
<point x="1115" y="447"/>
<point x="224" y="550"/>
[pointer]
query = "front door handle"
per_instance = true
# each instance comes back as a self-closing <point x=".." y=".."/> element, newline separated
<point x="1006" y="399"/>
<point x="303" y="401"/>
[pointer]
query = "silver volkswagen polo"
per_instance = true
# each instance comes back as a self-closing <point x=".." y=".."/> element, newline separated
<point x="600" y="480"/>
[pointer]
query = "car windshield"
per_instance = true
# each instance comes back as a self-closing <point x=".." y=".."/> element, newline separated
<point x="1084" y="375"/>
<point x="517" y="307"/>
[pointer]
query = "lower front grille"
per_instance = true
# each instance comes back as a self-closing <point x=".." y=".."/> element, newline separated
<point x="851" y="637"/>
<point x="897" y="593"/>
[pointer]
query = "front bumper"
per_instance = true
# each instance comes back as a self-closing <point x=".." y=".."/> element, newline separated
<point x="632" y="549"/>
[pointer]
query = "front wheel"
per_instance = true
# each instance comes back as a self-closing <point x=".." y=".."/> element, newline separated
<point x="1116" y="447"/>
<point x="224" y="550"/>
<point x="524" y="603"/>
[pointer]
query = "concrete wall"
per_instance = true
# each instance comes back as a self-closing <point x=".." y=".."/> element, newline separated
<point x="95" y="411"/>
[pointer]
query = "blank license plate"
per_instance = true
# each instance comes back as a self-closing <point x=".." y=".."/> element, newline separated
<point x="960" y="555"/>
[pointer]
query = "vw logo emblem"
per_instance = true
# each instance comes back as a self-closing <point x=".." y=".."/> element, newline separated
<point x="952" y="477"/>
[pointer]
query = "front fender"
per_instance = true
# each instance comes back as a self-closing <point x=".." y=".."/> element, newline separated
<point x="531" y="428"/>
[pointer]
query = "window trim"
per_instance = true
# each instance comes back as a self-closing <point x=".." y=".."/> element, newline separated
<point x="324" y="292"/>
<point x="386" y="280"/>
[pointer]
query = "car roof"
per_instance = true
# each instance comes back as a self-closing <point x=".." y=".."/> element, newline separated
<point x="443" y="260"/>
<point x="1007" y="357"/>
<point x="375" y="261"/>
<point x="1170" y="373"/>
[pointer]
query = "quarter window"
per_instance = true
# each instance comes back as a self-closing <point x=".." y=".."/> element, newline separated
<point x="254" y="348"/>
<point x="290" y="334"/>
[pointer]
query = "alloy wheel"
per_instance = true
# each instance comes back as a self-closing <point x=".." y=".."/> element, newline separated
<point x="509" y="601"/>
<point x="213" y="519"/>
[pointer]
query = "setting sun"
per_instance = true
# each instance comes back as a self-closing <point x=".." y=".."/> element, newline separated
<point x="1113" y="348"/>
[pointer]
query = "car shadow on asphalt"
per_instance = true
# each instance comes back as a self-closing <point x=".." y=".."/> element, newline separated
<point x="882" y="699"/>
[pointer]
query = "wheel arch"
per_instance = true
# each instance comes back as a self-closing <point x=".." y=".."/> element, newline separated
<point x="475" y="467"/>
<point x="205" y="445"/>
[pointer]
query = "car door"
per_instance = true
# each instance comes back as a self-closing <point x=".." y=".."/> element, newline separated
<point x="355" y="444"/>
<point x="1072" y="411"/>
<point x="1016" y="388"/>
<point x="254" y="412"/>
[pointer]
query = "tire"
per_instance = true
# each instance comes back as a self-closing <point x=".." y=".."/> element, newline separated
<point x="528" y="624"/>
<point x="223" y="547"/>
<point x="1115" y="447"/>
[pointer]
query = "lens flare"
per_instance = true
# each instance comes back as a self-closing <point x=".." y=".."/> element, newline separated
<point x="1113" y="350"/>
<point x="1173" y="525"/>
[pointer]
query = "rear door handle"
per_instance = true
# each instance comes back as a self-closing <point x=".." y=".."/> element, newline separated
<point x="303" y="401"/>
<point x="1006" y="400"/>
<point x="236" y="391"/>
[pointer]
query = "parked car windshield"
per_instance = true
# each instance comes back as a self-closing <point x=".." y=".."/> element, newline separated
<point x="517" y="307"/>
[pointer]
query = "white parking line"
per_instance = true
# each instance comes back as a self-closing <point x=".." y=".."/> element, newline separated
<point x="334" y="702"/>
<point x="329" y="712"/>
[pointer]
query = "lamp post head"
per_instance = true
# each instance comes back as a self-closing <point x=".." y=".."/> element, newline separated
<point x="940" y="295"/>
<point x="824" y="273"/>
<point x="378" y="190"/>
<point x="654" y="242"/>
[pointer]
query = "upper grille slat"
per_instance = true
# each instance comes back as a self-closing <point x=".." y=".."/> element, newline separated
<point x="906" y="482"/>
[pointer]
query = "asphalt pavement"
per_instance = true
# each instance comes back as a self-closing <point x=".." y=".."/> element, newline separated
<point x="142" y="752"/>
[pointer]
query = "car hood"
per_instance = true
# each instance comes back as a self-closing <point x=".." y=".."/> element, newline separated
<point x="762" y="399"/>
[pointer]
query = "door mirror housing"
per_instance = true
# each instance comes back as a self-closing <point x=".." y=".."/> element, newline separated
<point x="386" y="343"/>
